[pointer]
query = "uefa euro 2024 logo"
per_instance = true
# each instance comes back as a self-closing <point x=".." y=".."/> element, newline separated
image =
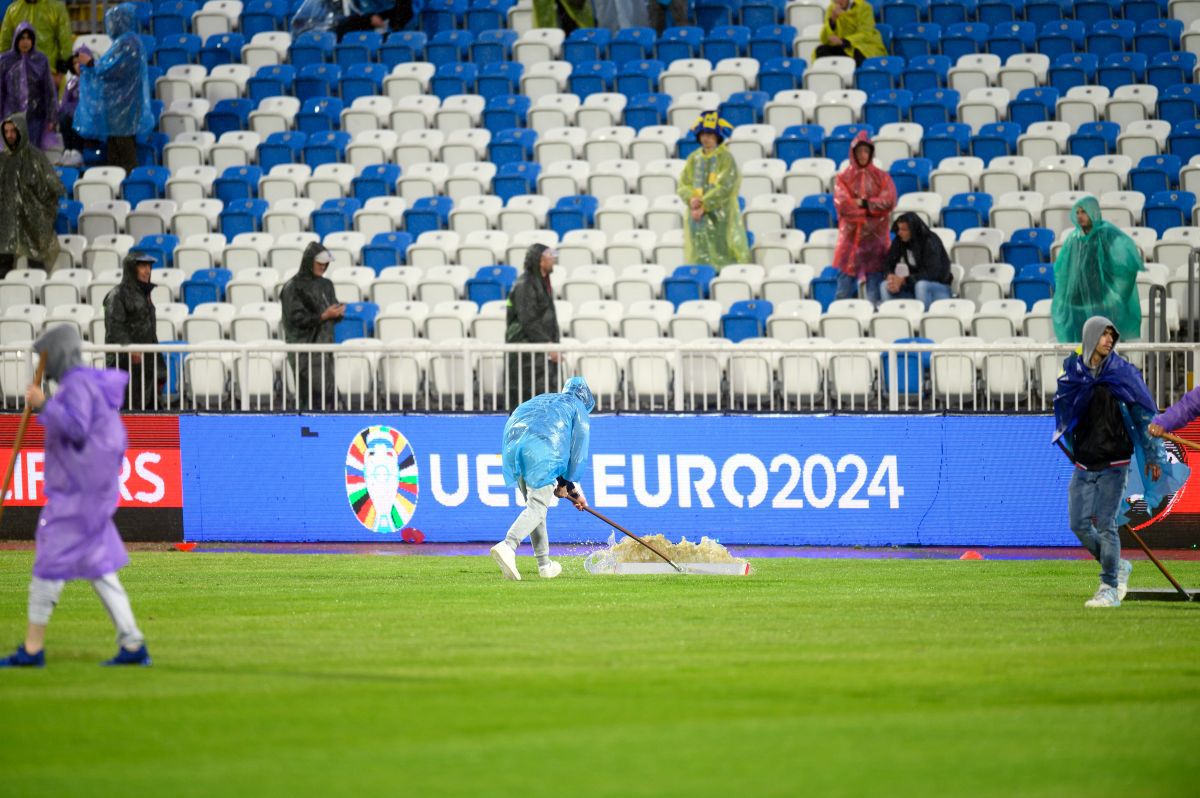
<point x="381" y="479"/>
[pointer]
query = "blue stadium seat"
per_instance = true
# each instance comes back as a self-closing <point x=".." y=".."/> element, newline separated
<point x="1011" y="38"/>
<point x="326" y="147"/>
<point x="1033" y="283"/>
<point x="377" y="180"/>
<point x="68" y="175"/>
<point x="837" y="143"/>
<point x="946" y="140"/>
<point x="757" y="13"/>
<point x="505" y="112"/>
<point x="243" y="216"/>
<point x="449" y="47"/>
<point x="451" y="79"/>
<point x="687" y="282"/>
<point x="799" y="141"/>
<point x="884" y="107"/>
<point x="145" y="183"/>
<point x="1170" y="69"/>
<point x="160" y="247"/>
<point x="1046" y="12"/>
<point x="493" y="46"/>
<point x="66" y="218"/>
<point x="823" y="288"/>
<point x="205" y="285"/>
<point x="172" y="18"/>
<point x="744" y="107"/>
<point x="816" y="212"/>
<point x="593" y="77"/>
<point x="176" y="50"/>
<point x="442" y="15"/>
<point x="678" y="43"/>
<point x="1168" y="209"/>
<point x="274" y="80"/>
<point x="727" y="41"/>
<point x="746" y="319"/>
<point x="222" y="48"/>
<point x="318" y="80"/>
<point x="967" y="210"/>
<point x="1122" y="69"/>
<point x="1156" y="36"/>
<point x="586" y="44"/>
<point x="965" y="38"/>
<point x="286" y="146"/>
<point x="488" y="15"/>
<point x="336" y="215"/>
<point x="1000" y="12"/>
<point x="911" y="174"/>
<point x="362" y="80"/>
<point x="879" y="74"/>
<point x="357" y="47"/>
<point x="237" y="182"/>
<point x="1033" y="105"/>
<point x="428" y="214"/>
<point x="1089" y="12"/>
<point x="1093" y="139"/>
<point x="1029" y="245"/>
<point x="1155" y="174"/>
<point x="917" y="39"/>
<point x="576" y="212"/>
<point x="772" y="41"/>
<point x="1061" y="38"/>
<point x="927" y="73"/>
<point x="647" y="110"/>
<point x="996" y="140"/>
<point x="386" y="249"/>
<point x="687" y="144"/>
<point x="935" y="106"/>
<point x="512" y="146"/>
<point x="951" y="12"/>
<point x="264" y="16"/>
<point x="319" y="114"/>
<point x="781" y="74"/>
<point x="1073" y="69"/>
<point x="358" y="321"/>
<point x="1111" y="36"/>
<point x="632" y="44"/>
<point x="1184" y="140"/>
<point x="312" y="47"/>
<point x="638" y="76"/>
<point x="1179" y="104"/>
<point x="490" y="283"/>
<point x="710" y="14"/>
<point x="904" y="12"/>
<point x="229" y="115"/>
<point x="403" y="47"/>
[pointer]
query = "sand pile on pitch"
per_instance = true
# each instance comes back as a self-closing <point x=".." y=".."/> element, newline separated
<point x="628" y="550"/>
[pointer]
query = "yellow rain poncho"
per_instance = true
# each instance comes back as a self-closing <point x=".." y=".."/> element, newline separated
<point x="719" y="238"/>
<point x="855" y="27"/>
<point x="545" y="13"/>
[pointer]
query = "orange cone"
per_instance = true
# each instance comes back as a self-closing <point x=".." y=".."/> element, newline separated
<point x="971" y="554"/>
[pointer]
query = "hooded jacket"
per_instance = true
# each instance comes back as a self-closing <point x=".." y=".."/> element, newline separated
<point x="855" y="26"/>
<point x="929" y="259"/>
<point x="547" y="436"/>
<point x="129" y="315"/>
<point x="27" y="86"/>
<point x="304" y="298"/>
<point x="50" y="21"/>
<point x="114" y="91"/>
<point x="85" y="444"/>
<point x="31" y="189"/>
<point x="532" y="317"/>
<point x="1095" y="274"/>
<point x="862" y="245"/>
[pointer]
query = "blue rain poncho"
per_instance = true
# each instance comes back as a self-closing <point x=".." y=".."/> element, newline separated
<point x="1095" y="274"/>
<point x="114" y="93"/>
<point x="547" y="437"/>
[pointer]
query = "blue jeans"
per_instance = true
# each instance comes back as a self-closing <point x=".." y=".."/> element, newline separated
<point x="847" y="286"/>
<point x="926" y="290"/>
<point x="1093" y="501"/>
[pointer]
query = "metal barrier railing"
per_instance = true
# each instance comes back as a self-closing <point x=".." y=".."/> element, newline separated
<point x="756" y="376"/>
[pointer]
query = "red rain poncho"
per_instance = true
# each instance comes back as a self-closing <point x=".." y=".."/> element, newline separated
<point x="863" y="233"/>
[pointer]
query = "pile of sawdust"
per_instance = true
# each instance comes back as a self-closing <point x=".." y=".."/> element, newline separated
<point x="685" y="551"/>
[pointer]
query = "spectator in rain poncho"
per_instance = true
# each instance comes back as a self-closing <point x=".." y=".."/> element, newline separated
<point x="27" y="86"/>
<point x="72" y="141"/>
<point x="532" y="319"/>
<point x="76" y="537"/>
<point x="1095" y="274"/>
<point x="114" y="91"/>
<point x="310" y="312"/>
<point x="347" y="16"/>
<point x="1178" y="415"/>
<point x="849" y="30"/>
<point x="1102" y="410"/>
<point x="569" y="15"/>
<point x="713" y="232"/>
<point x="129" y="319"/>
<point x="51" y="22"/>
<point x="545" y="448"/>
<point x="31" y="189"/>
<point x="864" y="196"/>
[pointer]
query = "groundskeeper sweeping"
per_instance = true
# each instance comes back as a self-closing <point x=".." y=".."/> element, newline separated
<point x="544" y="450"/>
<point x="76" y="537"/>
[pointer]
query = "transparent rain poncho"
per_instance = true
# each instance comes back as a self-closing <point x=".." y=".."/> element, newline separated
<point x="1095" y="274"/>
<point x="114" y="93"/>
<point x="547" y="436"/>
<point x="32" y="190"/>
<point x="719" y="238"/>
<point x="863" y="233"/>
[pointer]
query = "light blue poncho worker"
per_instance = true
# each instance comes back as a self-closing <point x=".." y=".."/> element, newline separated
<point x="545" y="447"/>
<point x="114" y="93"/>
<point x="1095" y="274"/>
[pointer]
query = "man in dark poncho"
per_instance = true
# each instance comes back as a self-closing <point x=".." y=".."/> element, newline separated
<point x="310" y="312"/>
<point x="31" y="190"/>
<point x="1102" y="409"/>
<point x="532" y="319"/>
<point x="76" y="537"/>
<point x="130" y="319"/>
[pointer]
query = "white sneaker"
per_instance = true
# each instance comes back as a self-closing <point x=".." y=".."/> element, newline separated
<point x="1123" y="573"/>
<point x="550" y="570"/>
<point x="506" y="558"/>
<point x="1105" y="597"/>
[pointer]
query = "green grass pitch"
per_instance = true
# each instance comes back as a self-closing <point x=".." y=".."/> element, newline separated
<point x="282" y="675"/>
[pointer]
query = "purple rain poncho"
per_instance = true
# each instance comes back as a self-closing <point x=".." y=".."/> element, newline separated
<point x="1181" y="413"/>
<point x="70" y="99"/>
<point x="547" y="437"/>
<point x="85" y="444"/>
<point x="27" y="86"/>
<point x="114" y="92"/>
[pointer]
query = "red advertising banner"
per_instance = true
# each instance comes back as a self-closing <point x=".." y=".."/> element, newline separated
<point x="150" y="474"/>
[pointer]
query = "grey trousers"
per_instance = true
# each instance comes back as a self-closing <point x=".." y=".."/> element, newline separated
<point x="531" y="523"/>
<point x="44" y="593"/>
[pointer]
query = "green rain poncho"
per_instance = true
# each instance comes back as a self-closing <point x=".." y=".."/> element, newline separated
<point x="32" y="189"/>
<point x="545" y="13"/>
<point x="1095" y="274"/>
<point x="719" y="238"/>
<point x="856" y="27"/>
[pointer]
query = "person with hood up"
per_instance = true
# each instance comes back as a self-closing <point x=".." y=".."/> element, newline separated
<point x="1095" y="274"/>
<point x="864" y="196"/>
<point x="849" y="30"/>
<point x="917" y="264"/>
<point x="72" y="141"/>
<point x="32" y="189"/>
<point x="310" y="312"/>
<point x="27" y="86"/>
<point x="114" y="91"/>
<point x="545" y="448"/>
<point x="532" y="319"/>
<point x="51" y="22"/>
<point x="1101" y="411"/>
<point x="130" y="319"/>
<point x="713" y="231"/>
<point x="76" y="537"/>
